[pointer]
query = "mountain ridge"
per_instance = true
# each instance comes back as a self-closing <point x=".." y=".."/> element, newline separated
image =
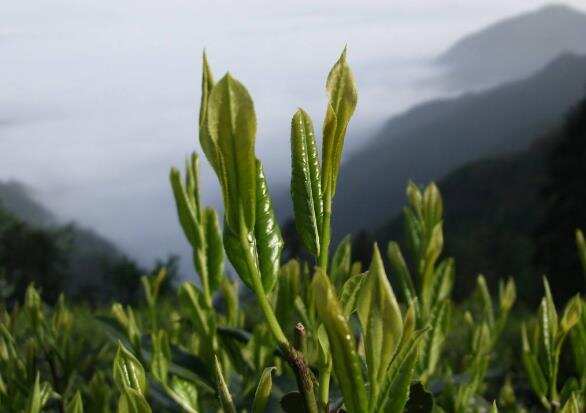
<point x="90" y="256"/>
<point x="431" y="139"/>
<point x="514" y="47"/>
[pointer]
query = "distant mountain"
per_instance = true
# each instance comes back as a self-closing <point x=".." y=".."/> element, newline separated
<point x="17" y="199"/>
<point x="90" y="256"/>
<point x="432" y="139"/>
<point x="515" y="47"/>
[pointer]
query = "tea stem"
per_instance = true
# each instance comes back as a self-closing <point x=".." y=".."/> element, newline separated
<point x="325" y="233"/>
<point x="295" y="358"/>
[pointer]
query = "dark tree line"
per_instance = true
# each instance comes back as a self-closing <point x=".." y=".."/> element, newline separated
<point x="44" y="255"/>
<point x="564" y="197"/>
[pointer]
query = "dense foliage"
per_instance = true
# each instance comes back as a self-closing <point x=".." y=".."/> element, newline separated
<point x="322" y="335"/>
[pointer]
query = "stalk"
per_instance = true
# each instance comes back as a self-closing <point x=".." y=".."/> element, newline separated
<point x="555" y="402"/>
<point x="325" y="233"/>
<point x="294" y="357"/>
<point x="325" y="236"/>
<point x="199" y="257"/>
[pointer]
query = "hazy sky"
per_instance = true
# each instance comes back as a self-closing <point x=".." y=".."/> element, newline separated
<point x="99" y="98"/>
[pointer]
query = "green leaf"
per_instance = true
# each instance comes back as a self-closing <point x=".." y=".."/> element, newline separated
<point x="432" y="252"/>
<point x="231" y="123"/>
<point x="185" y="210"/>
<point x="263" y="391"/>
<point x="207" y="83"/>
<point x="551" y="312"/>
<point x="444" y="281"/>
<point x="193" y="368"/>
<point x="347" y="366"/>
<point x="395" y="388"/>
<point x="435" y="337"/>
<point x="381" y="321"/>
<point x="75" y="405"/>
<point x="265" y="244"/>
<point x="192" y="184"/>
<point x="486" y="300"/>
<point x="399" y="265"/>
<point x="574" y="404"/>
<point x="532" y="368"/>
<point x="432" y="205"/>
<point x="214" y="248"/>
<point x="229" y="291"/>
<point x="507" y="295"/>
<point x="152" y="286"/>
<point x="342" y="101"/>
<point x="184" y="393"/>
<point x="236" y="254"/>
<point x="413" y="231"/>
<point x="160" y="357"/>
<point x="192" y="298"/>
<point x="549" y="324"/>
<point x="35" y="402"/>
<point x="306" y="182"/>
<point x="581" y="244"/>
<point x="269" y="242"/>
<point x="288" y="289"/>
<point x="323" y="343"/>
<point x="131" y="401"/>
<point x="572" y="314"/>
<point x="128" y="372"/>
<point x="223" y="391"/>
<point x="208" y="145"/>
<point x="349" y="293"/>
<point x="415" y="198"/>
<point x="342" y="261"/>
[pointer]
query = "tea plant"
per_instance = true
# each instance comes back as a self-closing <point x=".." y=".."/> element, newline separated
<point x="319" y="336"/>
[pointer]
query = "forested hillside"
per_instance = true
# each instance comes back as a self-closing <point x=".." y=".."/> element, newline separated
<point x="36" y="247"/>
<point x="515" y="215"/>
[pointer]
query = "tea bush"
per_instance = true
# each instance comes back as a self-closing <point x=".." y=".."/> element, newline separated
<point x="319" y="336"/>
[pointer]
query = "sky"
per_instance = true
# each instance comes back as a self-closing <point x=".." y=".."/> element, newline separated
<point x="100" y="98"/>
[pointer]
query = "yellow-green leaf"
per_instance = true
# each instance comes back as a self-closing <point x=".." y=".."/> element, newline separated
<point x="342" y="261"/>
<point x="342" y="101"/>
<point x="581" y="244"/>
<point x="572" y="314"/>
<point x="161" y="355"/>
<point x="263" y="391"/>
<point x="208" y="145"/>
<point x="75" y="405"/>
<point x="184" y="393"/>
<point x="128" y="372"/>
<point x="534" y="372"/>
<point x="185" y="211"/>
<point x="231" y="122"/>
<point x="381" y="321"/>
<point x="131" y="401"/>
<point x="346" y="363"/>
<point x="400" y="268"/>
<point x="349" y="293"/>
